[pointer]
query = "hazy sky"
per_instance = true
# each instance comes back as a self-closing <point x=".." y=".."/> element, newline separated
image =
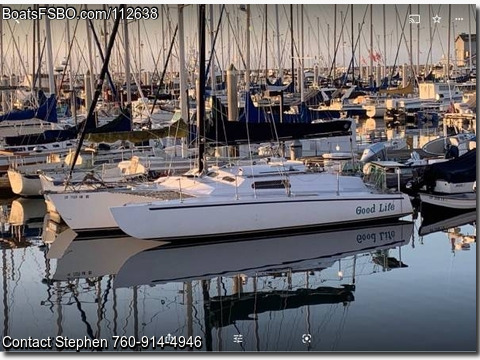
<point x="318" y="34"/>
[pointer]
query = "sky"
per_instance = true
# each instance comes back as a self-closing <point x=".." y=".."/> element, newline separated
<point x="318" y="34"/>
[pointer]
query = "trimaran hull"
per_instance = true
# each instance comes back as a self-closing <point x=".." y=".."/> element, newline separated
<point x="194" y="218"/>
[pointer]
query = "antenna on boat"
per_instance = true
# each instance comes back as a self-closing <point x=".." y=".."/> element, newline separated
<point x="98" y="90"/>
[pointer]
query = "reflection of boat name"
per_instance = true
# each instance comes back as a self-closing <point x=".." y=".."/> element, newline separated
<point x="373" y="237"/>
<point x="360" y="210"/>
<point x="79" y="274"/>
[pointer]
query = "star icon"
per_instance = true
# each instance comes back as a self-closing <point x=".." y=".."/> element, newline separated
<point x="436" y="19"/>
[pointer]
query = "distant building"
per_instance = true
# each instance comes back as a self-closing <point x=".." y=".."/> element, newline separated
<point x="462" y="49"/>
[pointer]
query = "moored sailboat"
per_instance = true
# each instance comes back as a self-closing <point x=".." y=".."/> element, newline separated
<point x="241" y="200"/>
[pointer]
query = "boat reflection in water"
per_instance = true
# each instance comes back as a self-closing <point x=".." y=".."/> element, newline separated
<point x="217" y="290"/>
<point x="450" y="222"/>
<point x="92" y="257"/>
<point x="22" y="221"/>
<point x="312" y="251"/>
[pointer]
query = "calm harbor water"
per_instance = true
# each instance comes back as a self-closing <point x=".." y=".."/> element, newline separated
<point x="405" y="286"/>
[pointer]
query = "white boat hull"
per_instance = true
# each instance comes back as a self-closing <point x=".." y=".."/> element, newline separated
<point x="197" y="217"/>
<point x="73" y="207"/>
<point x="24" y="185"/>
<point x="454" y="201"/>
<point x="446" y="187"/>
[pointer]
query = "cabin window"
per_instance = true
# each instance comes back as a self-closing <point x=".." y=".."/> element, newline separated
<point x="228" y="178"/>
<point x="271" y="184"/>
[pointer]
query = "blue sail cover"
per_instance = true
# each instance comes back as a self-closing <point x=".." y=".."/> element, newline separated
<point x="257" y="128"/>
<point x="121" y="123"/>
<point x="253" y="114"/>
<point x="47" y="111"/>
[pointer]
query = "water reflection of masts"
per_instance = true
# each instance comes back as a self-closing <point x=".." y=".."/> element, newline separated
<point x="83" y="316"/>
<point x="48" y="280"/>
<point x="5" y="292"/>
<point x="98" y="287"/>
<point x="188" y="290"/>
<point x="219" y="294"/>
<point x="387" y="262"/>
<point x="207" y="314"/>
<point x="59" y="310"/>
<point x="135" y="314"/>
<point x="224" y="310"/>
<point x="115" y="311"/>
<point x="308" y="313"/>
<point x="257" y="338"/>
<point x="238" y="291"/>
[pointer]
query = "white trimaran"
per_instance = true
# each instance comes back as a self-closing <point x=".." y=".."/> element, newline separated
<point x="235" y="200"/>
<point x="255" y="198"/>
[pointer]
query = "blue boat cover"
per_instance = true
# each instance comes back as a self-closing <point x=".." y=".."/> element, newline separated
<point x="46" y="111"/>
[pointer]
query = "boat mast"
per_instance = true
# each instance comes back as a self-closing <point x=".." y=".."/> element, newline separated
<point x="90" y="57"/>
<point x="102" y="58"/>
<point x="302" y="64"/>
<point x="266" y="43"/>
<point x="328" y="42"/>
<point x="139" y="55"/>
<point x="469" y="40"/>
<point x="51" y="79"/>
<point x="353" y="45"/>
<point x="448" y="41"/>
<point x="371" y="40"/>
<point x="212" y="44"/>
<point x="19" y="54"/>
<point x="384" y="44"/>
<point x="39" y="56"/>
<point x="430" y="38"/>
<point x="342" y="34"/>
<point x="292" y="54"/>
<point x="279" y="59"/>
<point x="105" y="47"/>
<point x="335" y="38"/>
<point x="98" y="90"/>
<point x="360" y="67"/>
<point x="182" y="70"/>
<point x="33" y="53"/>
<point x="247" y="70"/>
<point x="201" y="88"/>
<point x="73" y="96"/>
<point x="127" y="61"/>
<point x="410" y="55"/>
<point x="2" y="62"/>
<point x="418" y="42"/>
<point x="105" y="40"/>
